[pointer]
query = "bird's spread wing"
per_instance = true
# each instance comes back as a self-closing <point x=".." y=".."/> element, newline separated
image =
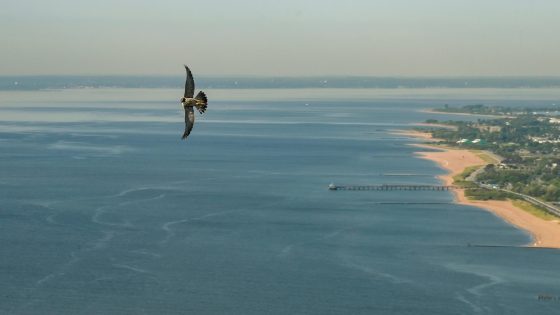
<point x="189" y="84"/>
<point x="189" y="121"/>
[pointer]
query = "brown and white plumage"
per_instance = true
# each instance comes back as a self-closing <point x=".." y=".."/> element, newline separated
<point x="188" y="102"/>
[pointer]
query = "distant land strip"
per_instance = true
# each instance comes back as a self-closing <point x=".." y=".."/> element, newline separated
<point x="41" y="82"/>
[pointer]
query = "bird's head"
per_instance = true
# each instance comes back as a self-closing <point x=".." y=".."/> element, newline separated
<point x="183" y="100"/>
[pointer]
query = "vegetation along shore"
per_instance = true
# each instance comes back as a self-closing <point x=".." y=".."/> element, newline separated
<point x="507" y="163"/>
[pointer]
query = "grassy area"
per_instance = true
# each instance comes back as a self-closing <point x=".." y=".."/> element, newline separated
<point x="461" y="179"/>
<point x="489" y="159"/>
<point x="488" y="194"/>
<point x="534" y="210"/>
<point x="473" y="192"/>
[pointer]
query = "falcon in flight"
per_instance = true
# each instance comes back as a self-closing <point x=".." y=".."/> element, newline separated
<point x="188" y="102"/>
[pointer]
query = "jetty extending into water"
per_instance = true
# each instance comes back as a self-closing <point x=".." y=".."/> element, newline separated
<point x="386" y="187"/>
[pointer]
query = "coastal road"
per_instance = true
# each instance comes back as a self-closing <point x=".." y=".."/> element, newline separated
<point x="549" y="207"/>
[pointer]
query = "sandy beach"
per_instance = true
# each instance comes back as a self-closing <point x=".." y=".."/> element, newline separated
<point x="545" y="233"/>
<point x="426" y="136"/>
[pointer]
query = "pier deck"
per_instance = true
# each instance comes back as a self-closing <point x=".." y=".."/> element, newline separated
<point x="391" y="187"/>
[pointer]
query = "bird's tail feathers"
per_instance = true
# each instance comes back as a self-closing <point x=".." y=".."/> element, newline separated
<point x="201" y="96"/>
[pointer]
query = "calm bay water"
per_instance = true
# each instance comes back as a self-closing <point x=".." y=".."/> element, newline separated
<point x="104" y="210"/>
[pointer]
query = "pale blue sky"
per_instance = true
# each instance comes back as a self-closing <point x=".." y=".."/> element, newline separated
<point x="289" y="37"/>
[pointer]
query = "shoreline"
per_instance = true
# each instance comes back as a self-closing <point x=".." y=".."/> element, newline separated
<point x="544" y="233"/>
<point x="432" y="111"/>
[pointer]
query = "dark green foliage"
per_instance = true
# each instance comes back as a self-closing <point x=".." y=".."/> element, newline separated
<point x="489" y="194"/>
<point x="479" y="109"/>
<point x="525" y="140"/>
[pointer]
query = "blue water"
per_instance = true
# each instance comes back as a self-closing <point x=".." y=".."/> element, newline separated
<point x="103" y="210"/>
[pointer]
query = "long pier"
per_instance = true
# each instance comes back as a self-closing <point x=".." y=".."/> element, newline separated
<point x="392" y="187"/>
<point x="510" y="246"/>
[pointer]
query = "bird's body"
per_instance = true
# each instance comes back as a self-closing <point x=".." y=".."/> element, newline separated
<point x="189" y="102"/>
<point x="193" y="102"/>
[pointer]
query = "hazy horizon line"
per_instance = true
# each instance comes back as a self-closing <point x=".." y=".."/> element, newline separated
<point x="258" y="76"/>
<point x="31" y="82"/>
